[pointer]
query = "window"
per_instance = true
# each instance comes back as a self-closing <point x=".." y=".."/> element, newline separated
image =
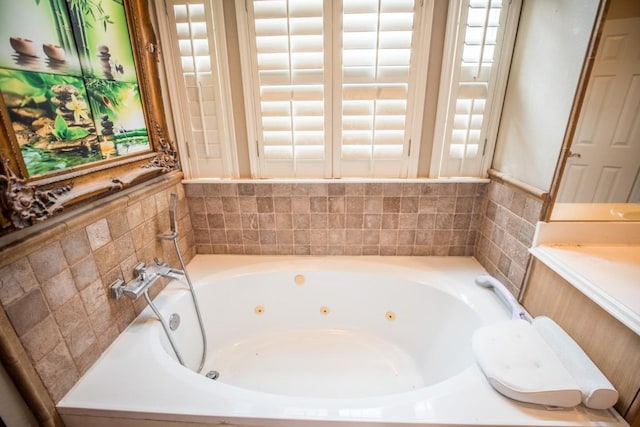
<point x="334" y="86"/>
<point x="194" y="31"/>
<point x="337" y="88"/>
<point x="472" y="85"/>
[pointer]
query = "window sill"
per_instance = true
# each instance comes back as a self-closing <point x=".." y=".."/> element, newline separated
<point x="454" y="180"/>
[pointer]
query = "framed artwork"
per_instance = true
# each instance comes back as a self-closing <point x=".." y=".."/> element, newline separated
<point x="81" y="109"/>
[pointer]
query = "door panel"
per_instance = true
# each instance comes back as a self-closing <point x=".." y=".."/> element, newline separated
<point x="606" y="146"/>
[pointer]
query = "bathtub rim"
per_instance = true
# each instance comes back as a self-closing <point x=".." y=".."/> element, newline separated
<point x="443" y="396"/>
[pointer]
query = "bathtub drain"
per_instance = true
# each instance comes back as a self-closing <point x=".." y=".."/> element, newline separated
<point x="212" y="375"/>
<point x="174" y="321"/>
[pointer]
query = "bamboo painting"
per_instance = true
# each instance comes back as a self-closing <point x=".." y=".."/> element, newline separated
<point x="75" y="99"/>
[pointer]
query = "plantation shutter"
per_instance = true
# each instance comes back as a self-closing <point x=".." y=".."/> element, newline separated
<point x="199" y="115"/>
<point x="334" y="86"/>
<point x="291" y="93"/>
<point x="375" y="89"/>
<point x="473" y="78"/>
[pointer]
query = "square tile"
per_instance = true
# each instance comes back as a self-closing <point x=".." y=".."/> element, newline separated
<point x="76" y="245"/>
<point x="48" y="261"/>
<point x="27" y="312"/>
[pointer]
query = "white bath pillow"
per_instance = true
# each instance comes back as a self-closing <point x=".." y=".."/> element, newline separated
<point x="597" y="391"/>
<point x="520" y="365"/>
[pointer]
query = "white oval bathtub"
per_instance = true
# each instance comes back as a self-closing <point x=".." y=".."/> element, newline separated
<point x="312" y="341"/>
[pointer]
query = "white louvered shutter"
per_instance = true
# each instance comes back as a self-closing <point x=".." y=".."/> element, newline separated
<point x="335" y="86"/>
<point x="375" y="90"/>
<point x="475" y="53"/>
<point x="291" y="94"/>
<point x="191" y="28"/>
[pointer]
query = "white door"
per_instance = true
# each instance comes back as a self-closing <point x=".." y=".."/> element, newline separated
<point x="606" y="147"/>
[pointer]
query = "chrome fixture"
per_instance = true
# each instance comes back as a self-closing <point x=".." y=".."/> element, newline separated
<point x="145" y="276"/>
<point x="517" y="311"/>
<point x="173" y="236"/>
<point x="174" y="321"/>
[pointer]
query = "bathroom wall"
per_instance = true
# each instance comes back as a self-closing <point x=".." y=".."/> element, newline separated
<point x="54" y="277"/>
<point x="403" y="218"/>
<point x="494" y="222"/>
<point x="547" y="61"/>
<point x="506" y="232"/>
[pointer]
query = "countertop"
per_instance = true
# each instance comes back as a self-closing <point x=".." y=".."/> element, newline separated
<point x="600" y="260"/>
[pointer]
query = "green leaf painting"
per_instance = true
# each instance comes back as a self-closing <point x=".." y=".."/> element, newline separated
<point x="37" y="36"/>
<point x="51" y="119"/>
<point x="102" y="39"/>
<point x="118" y="114"/>
<point x="62" y="132"/>
<point x="69" y="84"/>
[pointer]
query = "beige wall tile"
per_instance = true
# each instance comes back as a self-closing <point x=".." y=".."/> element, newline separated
<point x="57" y="371"/>
<point x="75" y="246"/>
<point x="162" y="199"/>
<point x="16" y="279"/>
<point x="48" y="261"/>
<point x="74" y="326"/>
<point x="28" y="311"/>
<point x="135" y="216"/>
<point x="124" y="247"/>
<point x="85" y="272"/>
<point x="42" y="338"/>
<point x="88" y="357"/>
<point x="148" y="206"/>
<point x="506" y="232"/>
<point x="118" y="224"/>
<point x="106" y="258"/>
<point x="59" y="289"/>
<point x="98" y="234"/>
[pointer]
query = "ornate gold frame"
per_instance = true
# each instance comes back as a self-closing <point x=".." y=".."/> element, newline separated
<point x="25" y="202"/>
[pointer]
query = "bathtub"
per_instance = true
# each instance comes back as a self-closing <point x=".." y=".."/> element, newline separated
<point x="312" y="341"/>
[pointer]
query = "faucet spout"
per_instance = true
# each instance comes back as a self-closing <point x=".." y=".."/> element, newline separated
<point x="163" y="269"/>
<point x="172" y="273"/>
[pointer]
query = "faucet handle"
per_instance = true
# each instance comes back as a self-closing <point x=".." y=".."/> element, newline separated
<point x="116" y="289"/>
<point x="140" y="270"/>
<point x="159" y="263"/>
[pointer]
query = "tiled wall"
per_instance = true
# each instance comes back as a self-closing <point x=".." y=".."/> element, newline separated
<point x="506" y="233"/>
<point x="53" y="286"/>
<point x="336" y="218"/>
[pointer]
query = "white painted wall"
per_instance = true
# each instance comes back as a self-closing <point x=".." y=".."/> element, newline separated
<point x="553" y="37"/>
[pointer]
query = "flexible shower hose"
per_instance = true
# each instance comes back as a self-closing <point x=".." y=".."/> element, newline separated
<point x="195" y="304"/>
<point x="173" y="219"/>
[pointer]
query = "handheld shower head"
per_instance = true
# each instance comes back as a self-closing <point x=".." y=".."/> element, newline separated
<point x="173" y="214"/>
<point x="173" y="219"/>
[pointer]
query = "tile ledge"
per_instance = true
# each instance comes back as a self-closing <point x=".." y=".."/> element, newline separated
<point x="22" y="242"/>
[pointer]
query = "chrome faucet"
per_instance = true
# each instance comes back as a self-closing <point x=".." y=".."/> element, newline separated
<point x="145" y="276"/>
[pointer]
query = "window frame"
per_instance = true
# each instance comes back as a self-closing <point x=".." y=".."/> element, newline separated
<point x="495" y="96"/>
<point x="418" y="138"/>
<point x="222" y="89"/>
